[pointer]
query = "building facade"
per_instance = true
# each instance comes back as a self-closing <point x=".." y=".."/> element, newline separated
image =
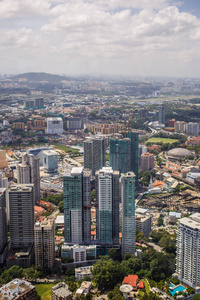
<point x="128" y="213"/>
<point x="188" y="250"/>
<point x="3" y="226"/>
<point x="44" y="243"/>
<point x="54" y="126"/>
<point x="193" y="128"/>
<point x="107" y="211"/>
<point x="134" y="137"/>
<point x="120" y="154"/>
<point x="147" y="162"/>
<point x="50" y="161"/>
<point x="77" y="215"/>
<point x="21" y="198"/>
<point x="29" y="172"/>
<point x="161" y="114"/>
<point x="180" y="126"/>
<point x="95" y="153"/>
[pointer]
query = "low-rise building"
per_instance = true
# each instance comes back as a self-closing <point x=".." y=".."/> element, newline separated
<point x="61" y="292"/>
<point x="18" y="289"/>
<point x="78" y="253"/>
<point x="81" y="272"/>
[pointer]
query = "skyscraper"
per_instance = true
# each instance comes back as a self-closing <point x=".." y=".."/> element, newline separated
<point x="188" y="250"/>
<point x="95" y="153"/>
<point x="134" y="137"/>
<point x="161" y="114"/>
<point x="120" y="154"/>
<point x="4" y="184"/>
<point x="29" y="172"/>
<point x="76" y="195"/>
<point x="147" y="162"/>
<point x="107" y="211"/>
<point x="21" y="198"/>
<point x="3" y="225"/>
<point x="128" y="213"/>
<point x="44" y="239"/>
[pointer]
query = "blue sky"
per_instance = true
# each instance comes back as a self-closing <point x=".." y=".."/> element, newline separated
<point x="119" y="37"/>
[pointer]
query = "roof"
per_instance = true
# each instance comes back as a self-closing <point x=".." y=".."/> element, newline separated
<point x="141" y="285"/>
<point x="59" y="219"/>
<point x="131" y="279"/>
<point x="38" y="209"/>
<point x="180" y="152"/>
<point x="141" y="210"/>
<point x="175" y="214"/>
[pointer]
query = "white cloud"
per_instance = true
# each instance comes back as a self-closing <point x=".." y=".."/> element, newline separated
<point x="101" y="36"/>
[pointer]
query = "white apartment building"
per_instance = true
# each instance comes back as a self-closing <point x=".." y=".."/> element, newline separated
<point x="54" y="126"/>
<point x="193" y="128"/>
<point x="188" y="250"/>
<point x="81" y="272"/>
<point x="180" y="126"/>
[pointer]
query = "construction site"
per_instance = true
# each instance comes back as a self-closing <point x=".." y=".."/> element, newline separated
<point x="187" y="201"/>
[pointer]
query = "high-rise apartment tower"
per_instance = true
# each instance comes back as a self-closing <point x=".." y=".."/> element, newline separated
<point x="95" y="153"/>
<point x="107" y="211"/>
<point x="29" y="172"/>
<point x="77" y="214"/>
<point x="128" y="213"/>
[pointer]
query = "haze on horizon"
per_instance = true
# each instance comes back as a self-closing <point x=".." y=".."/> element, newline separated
<point x="111" y="37"/>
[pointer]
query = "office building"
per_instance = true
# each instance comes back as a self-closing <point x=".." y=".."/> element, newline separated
<point x="29" y="172"/>
<point x="188" y="250"/>
<point x="193" y="128"/>
<point x="134" y="137"/>
<point x="77" y="210"/>
<point x="107" y="211"/>
<point x="17" y="289"/>
<point x="95" y="153"/>
<point x="3" y="226"/>
<point x="120" y="154"/>
<point x="161" y="114"/>
<point x="147" y="162"/>
<point x="128" y="213"/>
<point x="21" y="198"/>
<point x="50" y="161"/>
<point x="61" y="292"/>
<point x="34" y="103"/>
<point x="54" y="126"/>
<point x="44" y="242"/>
<point x="38" y="152"/>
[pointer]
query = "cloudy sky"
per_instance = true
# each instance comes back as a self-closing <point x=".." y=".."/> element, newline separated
<point x="115" y="37"/>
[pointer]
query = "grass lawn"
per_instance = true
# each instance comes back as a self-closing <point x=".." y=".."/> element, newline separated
<point x="146" y="286"/>
<point x="161" y="140"/>
<point x="44" y="291"/>
<point x="66" y="149"/>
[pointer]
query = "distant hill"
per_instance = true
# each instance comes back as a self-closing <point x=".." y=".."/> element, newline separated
<point x="36" y="77"/>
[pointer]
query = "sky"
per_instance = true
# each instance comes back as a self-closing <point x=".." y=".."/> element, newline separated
<point x="108" y="37"/>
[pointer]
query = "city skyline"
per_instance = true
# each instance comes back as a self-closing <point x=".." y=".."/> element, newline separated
<point x="141" y="38"/>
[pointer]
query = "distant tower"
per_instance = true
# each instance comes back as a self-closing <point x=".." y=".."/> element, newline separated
<point x="3" y="225"/>
<point x="95" y="153"/>
<point x="161" y="114"/>
<point x="29" y="172"/>
<point x="107" y="212"/>
<point x="134" y="137"/>
<point x="21" y="197"/>
<point x="120" y="154"/>
<point x="76" y="194"/>
<point x="128" y="213"/>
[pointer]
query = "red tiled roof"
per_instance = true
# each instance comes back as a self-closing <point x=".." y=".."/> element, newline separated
<point x="141" y="285"/>
<point x="131" y="279"/>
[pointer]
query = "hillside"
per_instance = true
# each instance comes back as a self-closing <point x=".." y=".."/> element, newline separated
<point x="36" y="77"/>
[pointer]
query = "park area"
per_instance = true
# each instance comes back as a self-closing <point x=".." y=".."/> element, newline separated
<point x="44" y="291"/>
<point x="157" y="140"/>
